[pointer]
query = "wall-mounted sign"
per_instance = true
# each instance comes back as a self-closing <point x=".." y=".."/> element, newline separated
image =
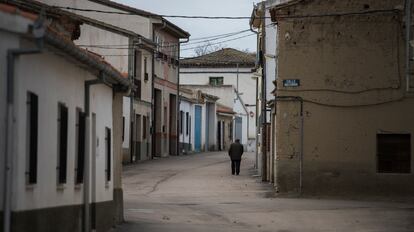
<point x="291" y="83"/>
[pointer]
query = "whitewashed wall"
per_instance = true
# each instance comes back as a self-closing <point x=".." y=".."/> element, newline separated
<point x="42" y="74"/>
<point x="270" y="55"/>
<point x="91" y="35"/>
<point x="247" y="86"/>
<point x="134" y="23"/>
<point x="7" y="41"/>
<point x="126" y="114"/>
<point x="187" y="107"/>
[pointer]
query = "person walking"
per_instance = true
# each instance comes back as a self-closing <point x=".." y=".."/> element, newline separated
<point x="235" y="153"/>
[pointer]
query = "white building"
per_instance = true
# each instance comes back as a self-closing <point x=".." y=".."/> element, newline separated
<point x="227" y="97"/>
<point x="62" y="135"/>
<point x="226" y="67"/>
<point x="145" y="47"/>
<point x="197" y="119"/>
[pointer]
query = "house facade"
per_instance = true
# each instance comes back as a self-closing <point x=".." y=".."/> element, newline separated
<point x="197" y="118"/>
<point x="62" y="135"/>
<point x="148" y="55"/>
<point x="166" y="81"/>
<point x="266" y="72"/>
<point x="225" y="117"/>
<point x="223" y="69"/>
<point x="227" y="99"/>
<point x="342" y="98"/>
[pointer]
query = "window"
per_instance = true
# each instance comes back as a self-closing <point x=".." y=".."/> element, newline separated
<point x="80" y="157"/>
<point x="181" y="121"/>
<point x="32" y="132"/>
<point x="145" y="69"/>
<point x="62" y="142"/>
<point x="108" y="153"/>
<point x="393" y="153"/>
<point x="187" y="123"/>
<point x="216" y="81"/>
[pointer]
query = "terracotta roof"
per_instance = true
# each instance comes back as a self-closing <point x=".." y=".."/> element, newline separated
<point x="222" y="58"/>
<point x="69" y="47"/>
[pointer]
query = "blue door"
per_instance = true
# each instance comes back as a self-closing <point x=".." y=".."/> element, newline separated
<point x="197" y="129"/>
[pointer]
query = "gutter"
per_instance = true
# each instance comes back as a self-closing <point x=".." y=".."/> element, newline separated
<point x="12" y="54"/>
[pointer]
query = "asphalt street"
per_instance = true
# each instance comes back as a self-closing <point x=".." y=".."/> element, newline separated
<point x="197" y="193"/>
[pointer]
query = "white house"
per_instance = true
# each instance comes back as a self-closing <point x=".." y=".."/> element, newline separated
<point x="226" y="67"/>
<point x="145" y="47"/>
<point x="197" y="117"/>
<point x="227" y="97"/>
<point x="62" y="137"/>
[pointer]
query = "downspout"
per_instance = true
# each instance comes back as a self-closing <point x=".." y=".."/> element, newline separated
<point x="12" y="54"/>
<point x="300" y="100"/>
<point x="152" y="128"/>
<point x="178" y="93"/>
<point x="264" y="101"/>
<point x="131" y="61"/>
<point x="408" y="6"/>
<point x="257" y="97"/>
<point x="86" y="187"/>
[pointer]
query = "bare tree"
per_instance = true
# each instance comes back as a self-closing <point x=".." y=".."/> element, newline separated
<point x="207" y="48"/>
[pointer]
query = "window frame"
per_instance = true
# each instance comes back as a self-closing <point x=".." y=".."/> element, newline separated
<point x="379" y="160"/>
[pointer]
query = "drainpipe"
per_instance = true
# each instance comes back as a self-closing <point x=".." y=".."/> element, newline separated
<point x="408" y="6"/>
<point x="178" y="93"/>
<point x="88" y="155"/>
<point x="300" y="100"/>
<point x="12" y="55"/>
<point x="131" y="62"/>
<point x="257" y="97"/>
<point x="264" y="100"/>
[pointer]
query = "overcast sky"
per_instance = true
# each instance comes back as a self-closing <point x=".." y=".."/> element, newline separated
<point x="203" y="27"/>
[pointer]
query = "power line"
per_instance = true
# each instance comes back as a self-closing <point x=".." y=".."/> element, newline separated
<point x="240" y="37"/>
<point x="153" y="15"/>
<point x="126" y="46"/>
<point x="233" y="17"/>
<point x="237" y="38"/>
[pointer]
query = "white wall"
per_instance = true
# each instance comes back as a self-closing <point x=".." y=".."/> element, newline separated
<point x="134" y="23"/>
<point x="247" y="86"/>
<point x="91" y="35"/>
<point x="186" y="107"/>
<point x="6" y="41"/>
<point x="270" y="56"/>
<point x="127" y="115"/>
<point x="101" y="105"/>
<point x="246" y="82"/>
<point x="42" y="74"/>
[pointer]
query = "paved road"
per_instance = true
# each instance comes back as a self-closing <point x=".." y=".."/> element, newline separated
<point x="197" y="193"/>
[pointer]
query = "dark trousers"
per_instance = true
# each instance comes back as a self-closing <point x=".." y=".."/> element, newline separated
<point x="235" y="167"/>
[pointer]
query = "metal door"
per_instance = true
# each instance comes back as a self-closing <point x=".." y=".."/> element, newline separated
<point x="197" y="129"/>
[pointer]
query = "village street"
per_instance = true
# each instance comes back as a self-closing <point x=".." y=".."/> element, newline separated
<point x="198" y="193"/>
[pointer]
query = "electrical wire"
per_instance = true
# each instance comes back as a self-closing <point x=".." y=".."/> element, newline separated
<point x="233" y="17"/>
<point x="126" y="46"/>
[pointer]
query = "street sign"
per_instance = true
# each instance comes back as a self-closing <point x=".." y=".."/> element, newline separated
<point x="291" y="83"/>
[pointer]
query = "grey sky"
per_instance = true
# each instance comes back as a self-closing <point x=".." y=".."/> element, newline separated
<point x="203" y="27"/>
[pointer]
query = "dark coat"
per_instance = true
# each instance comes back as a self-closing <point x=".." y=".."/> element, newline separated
<point x="236" y="151"/>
